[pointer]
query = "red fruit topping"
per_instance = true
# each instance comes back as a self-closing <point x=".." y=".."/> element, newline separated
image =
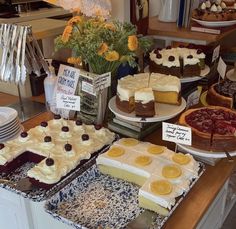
<point x="68" y="147"/>
<point x="47" y="139"/>
<point x="158" y="56"/>
<point x="190" y="56"/>
<point x="65" y="129"/>
<point x="97" y="126"/>
<point x="78" y="122"/>
<point x="171" y="58"/>
<point x="57" y="116"/>
<point x="44" y="124"/>
<point x="168" y="47"/>
<point x="49" y="161"/>
<point x="85" y="137"/>
<point x="199" y="51"/>
<point x="24" y="134"/>
<point x="2" y="146"/>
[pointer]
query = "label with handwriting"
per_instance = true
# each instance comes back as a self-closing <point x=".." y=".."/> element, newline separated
<point x="176" y="133"/>
<point x="221" y="68"/>
<point x="216" y="53"/>
<point x="102" y="81"/>
<point x="69" y="102"/>
<point x="88" y="88"/>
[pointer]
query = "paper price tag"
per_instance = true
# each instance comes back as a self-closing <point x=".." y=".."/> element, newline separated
<point x="88" y="88"/>
<point x="176" y="133"/>
<point x="70" y="102"/>
<point x="193" y="98"/>
<point x="216" y="53"/>
<point x="102" y="81"/>
<point x="221" y="68"/>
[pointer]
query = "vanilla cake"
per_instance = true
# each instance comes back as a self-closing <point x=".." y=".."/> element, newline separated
<point x="57" y="147"/>
<point x="143" y="163"/>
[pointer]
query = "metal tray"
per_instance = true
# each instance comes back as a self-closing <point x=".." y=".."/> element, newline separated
<point x="94" y="200"/>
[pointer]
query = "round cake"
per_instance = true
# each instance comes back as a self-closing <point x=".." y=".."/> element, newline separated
<point x="213" y="128"/>
<point x="222" y="94"/>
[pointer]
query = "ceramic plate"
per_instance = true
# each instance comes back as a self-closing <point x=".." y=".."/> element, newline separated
<point x="203" y="99"/>
<point x="13" y="135"/>
<point x="163" y="112"/>
<point x="230" y="76"/>
<point x="203" y="153"/>
<point x="203" y="73"/>
<point x="215" y="23"/>
<point x="7" y="114"/>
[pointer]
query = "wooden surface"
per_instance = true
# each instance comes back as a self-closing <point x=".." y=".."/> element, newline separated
<point x="167" y="29"/>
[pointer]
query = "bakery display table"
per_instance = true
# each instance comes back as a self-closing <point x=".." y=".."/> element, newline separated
<point x="195" y="211"/>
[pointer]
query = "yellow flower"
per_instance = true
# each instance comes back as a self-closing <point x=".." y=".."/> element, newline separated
<point x="67" y="33"/>
<point x="110" y="26"/>
<point x="132" y="43"/>
<point x="112" y="56"/>
<point x="73" y="20"/>
<point x="74" y="60"/>
<point x="103" y="48"/>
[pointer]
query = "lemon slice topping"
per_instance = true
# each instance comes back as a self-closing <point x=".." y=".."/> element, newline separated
<point x="129" y="142"/>
<point x="171" y="171"/>
<point x="161" y="187"/>
<point x="181" y="158"/>
<point x="115" y="152"/>
<point x="156" y="149"/>
<point x="143" y="160"/>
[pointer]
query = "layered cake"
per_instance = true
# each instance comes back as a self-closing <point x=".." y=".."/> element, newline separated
<point x="222" y="94"/>
<point x="135" y="93"/>
<point x="57" y="147"/>
<point x="162" y="174"/>
<point x="181" y="61"/>
<point x="215" y="11"/>
<point x="213" y="128"/>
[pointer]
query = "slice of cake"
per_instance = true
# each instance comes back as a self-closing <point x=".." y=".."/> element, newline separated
<point x="144" y="102"/>
<point x="191" y="66"/>
<point x="166" y="88"/>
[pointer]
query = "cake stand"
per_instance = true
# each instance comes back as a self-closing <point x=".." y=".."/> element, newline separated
<point x="213" y="24"/>
<point x="203" y="73"/>
<point x="204" y="153"/>
<point x="163" y="112"/>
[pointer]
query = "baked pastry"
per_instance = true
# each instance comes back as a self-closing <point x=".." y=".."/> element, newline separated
<point x="221" y="94"/>
<point x="57" y="147"/>
<point x="191" y="66"/>
<point x="213" y="128"/>
<point x="146" y="164"/>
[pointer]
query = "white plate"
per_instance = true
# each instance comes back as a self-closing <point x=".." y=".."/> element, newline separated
<point x="203" y="73"/>
<point x="12" y="136"/>
<point x="163" y="112"/>
<point x="230" y="76"/>
<point x="213" y="24"/>
<point x="10" y="131"/>
<point x="203" y="153"/>
<point x="15" y="122"/>
<point x="7" y="114"/>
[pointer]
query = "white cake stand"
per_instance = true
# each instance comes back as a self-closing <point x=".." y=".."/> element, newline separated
<point x="163" y="112"/>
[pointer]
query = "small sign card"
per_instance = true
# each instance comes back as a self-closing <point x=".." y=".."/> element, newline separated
<point x="88" y="88"/>
<point x="216" y="53"/>
<point x="194" y="97"/>
<point x="70" y="102"/>
<point x="176" y="133"/>
<point x="102" y="81"/>
<point x="221" y="68"/>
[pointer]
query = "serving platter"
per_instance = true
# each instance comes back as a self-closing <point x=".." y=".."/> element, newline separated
<point x="204" y="153"/>
<point x="213" y="24"/>
<point x="7" y="115"/>
<point x="163" y="112"/>
<point x="203" y="73"/>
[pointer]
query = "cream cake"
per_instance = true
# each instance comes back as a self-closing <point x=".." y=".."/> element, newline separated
<point x="57" y="146"/>
<point x="142" y="163"/>
<point x="165" y="88"/>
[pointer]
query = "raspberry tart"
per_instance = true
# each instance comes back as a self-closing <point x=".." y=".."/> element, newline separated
<point x="213" y="128"/>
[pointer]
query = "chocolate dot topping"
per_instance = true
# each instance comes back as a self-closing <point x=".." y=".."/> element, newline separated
<point x="158" y="56"/>
<point x="97" y="126"/>
<point x="190" y="57"/>
<point x="57" y="116"/>
<point x="2" y="145"/>
<point x="171" y="58"/>
<point x="65" y="129"/>
<point x="47" y="139"/>
<point x="85" y="137"/>
<point x="24" y="134"/>
<point x="78" y="122"/>
<point x="68" y="147"/>
<point x="199" y="51"/>
<point x="49" y="161"/>
<point x="168" y="47"/>
<point x="44" y="124"/>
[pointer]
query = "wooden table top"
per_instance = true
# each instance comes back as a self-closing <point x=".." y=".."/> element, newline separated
<point x="195" y="204"/>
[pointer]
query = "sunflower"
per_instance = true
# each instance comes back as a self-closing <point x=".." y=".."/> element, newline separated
<point x="67" y="33"/>
<point x="132" y="42"/>
<point x="74" y="60"/>
<point x="103" y="48"/>
<point x="75" y="19"/>
<point x="110" y="26"/>
<point x="112" y="56"/>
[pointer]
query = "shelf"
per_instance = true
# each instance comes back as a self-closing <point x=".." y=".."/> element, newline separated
<point x="169" y="31"/>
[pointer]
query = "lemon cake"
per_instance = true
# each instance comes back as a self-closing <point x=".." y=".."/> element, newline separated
<point x="162" y="174"/>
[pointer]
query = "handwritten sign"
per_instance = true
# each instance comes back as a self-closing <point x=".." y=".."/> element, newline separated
<point x="216" y="53"/>
<point x="193" y="98"/>
<point x="67" y="80"/>
<point x="176" y="133"/>
<point x="102" y="81"/>
<point x="88" y="88"/>
<point x="221" y="68"/>
<point x="70" y="102"/>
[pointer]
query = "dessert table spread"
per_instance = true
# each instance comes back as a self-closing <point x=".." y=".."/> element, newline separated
<point x="200" y="197"/>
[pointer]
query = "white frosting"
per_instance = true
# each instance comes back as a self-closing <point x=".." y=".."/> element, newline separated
<point x="217" y="2"/>
<point x="160" y="82"/>
<point x="169" y="64"/>
<point x="203" y="6"/>
<point x="208" y="4"/>
<point x="219" y="8"/>
<point x="190" y="61"/>
<point x="65" y="135"/>
<point x="153" y="57"/>
<point x="213" y="8"/>
<point x="124" y="93"/>
<point x="144" y="95"/>
<point x="223" y="5"/>
<point x="194" y="53"/>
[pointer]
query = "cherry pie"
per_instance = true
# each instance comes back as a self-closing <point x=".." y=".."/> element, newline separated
<point x="213" y="128"/>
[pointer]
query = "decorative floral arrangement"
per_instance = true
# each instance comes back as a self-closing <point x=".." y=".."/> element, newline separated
<point x="104" y="45"/>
